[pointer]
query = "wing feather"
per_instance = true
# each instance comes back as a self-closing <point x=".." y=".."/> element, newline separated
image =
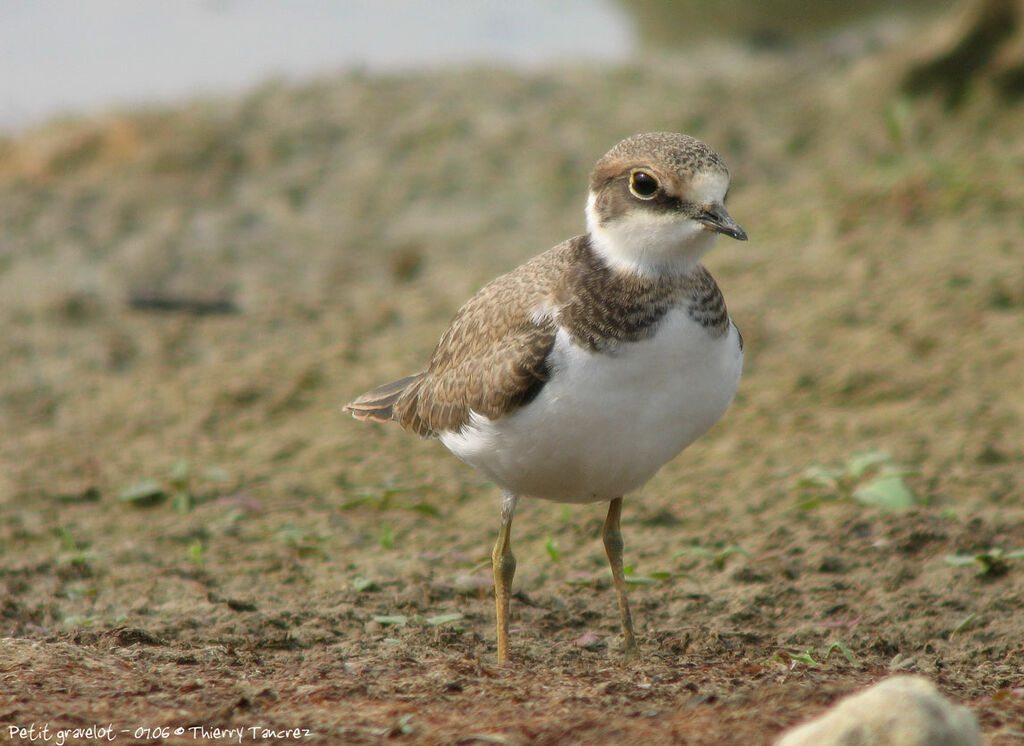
<point x="492" y="358"/>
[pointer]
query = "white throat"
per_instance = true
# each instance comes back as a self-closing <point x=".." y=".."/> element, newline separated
<point x="649" y="243"/>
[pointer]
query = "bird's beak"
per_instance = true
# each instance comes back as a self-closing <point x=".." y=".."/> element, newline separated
<point x="715" y="218"/>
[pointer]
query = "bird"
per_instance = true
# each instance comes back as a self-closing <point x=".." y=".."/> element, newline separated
<point x="578" y="375"/>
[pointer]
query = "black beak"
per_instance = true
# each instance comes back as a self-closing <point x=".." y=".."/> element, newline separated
<point x="715" y="218"/>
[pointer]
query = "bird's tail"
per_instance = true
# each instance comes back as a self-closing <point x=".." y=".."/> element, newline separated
<point x="378" y="405"/>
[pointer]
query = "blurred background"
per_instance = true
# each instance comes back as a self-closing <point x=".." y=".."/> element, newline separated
<point x="62" y="56"/>
<point x="219" y="215"/>
<point x="220" y="220"/>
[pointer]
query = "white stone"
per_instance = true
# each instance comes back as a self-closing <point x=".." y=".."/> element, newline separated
<point x="900" y="711"/>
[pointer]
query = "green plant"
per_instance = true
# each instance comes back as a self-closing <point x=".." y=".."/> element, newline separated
<point x="897" y="115"/>
<point x="178" y="486"/>
<point x="965" y="624"/>
<point x="363" y="585"/>
<point x="383" y="498"/>
<point x="804" y="657"/>
<point x="195" y="553"/>
<point x="391" y="620"/>
<point x="306" y="542"/>
<point x="717" y="557"/>
<point x="178" y="480"/>
<point x="631" y="576"/>
<point x="439" y="619"/>
<point x="992" y="563"/>
<point x="143" y="494"/>
<point x="551" y="547"/>
<point x="870" y="478"/>
<point x="75" y="553"/>
<point x="400" y="620"/>
<point x="842" y="649"/>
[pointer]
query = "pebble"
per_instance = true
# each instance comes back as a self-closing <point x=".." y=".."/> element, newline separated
<point x="899" y="711"/>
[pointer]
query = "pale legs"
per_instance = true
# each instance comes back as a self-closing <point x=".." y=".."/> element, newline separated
<point x="613" y="546"/>
<point x="503" y="564"/>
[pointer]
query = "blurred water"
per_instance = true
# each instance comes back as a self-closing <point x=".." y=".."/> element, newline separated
<point x="60" y="56"/>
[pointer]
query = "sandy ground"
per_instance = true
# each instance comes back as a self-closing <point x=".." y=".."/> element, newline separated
<point x="193" y="537"/>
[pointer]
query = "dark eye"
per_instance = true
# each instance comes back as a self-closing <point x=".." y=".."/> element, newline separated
<point x="643" y="184"/>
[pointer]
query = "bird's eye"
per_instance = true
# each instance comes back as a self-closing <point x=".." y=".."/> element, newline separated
<point x="643" y="184"/>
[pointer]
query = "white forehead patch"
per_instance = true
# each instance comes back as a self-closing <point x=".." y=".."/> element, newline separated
<point x="707" y="187"/>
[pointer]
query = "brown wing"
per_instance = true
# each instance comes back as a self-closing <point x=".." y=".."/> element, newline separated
<point x="491" y="359"/>
<point x="378" y="405"/>
<point x="493" y="382"/>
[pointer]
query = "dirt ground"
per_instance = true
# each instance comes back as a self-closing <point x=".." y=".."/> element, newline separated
<point x="194" y="537"/>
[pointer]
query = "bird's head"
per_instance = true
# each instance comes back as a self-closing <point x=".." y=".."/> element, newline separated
<point x="657" y="203"/>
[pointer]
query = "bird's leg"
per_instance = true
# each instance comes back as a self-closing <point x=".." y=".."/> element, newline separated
<point x="503" y="563"/>
<point x="613" y="546"/>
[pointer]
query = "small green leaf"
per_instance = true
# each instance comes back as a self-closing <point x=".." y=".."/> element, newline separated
<point x="195" y="553"/>
<point x="805" y="657"/>
<point x="640" y="580"/>
<point x="899" y="663"/>
<point x="551" y="547"/>
<point x="182" y="501"/>
<point x="810" y="503"/>
<point x="143" y="494"/>
<point x="819" y="476"/>
<point x="215" y="474"/>
<point x="362" y="585"/>
<point x="993" y="562"/>
<point x="387" y="536"/>
<point x="439" y="619"/>
<point x="630" y="576"/>
<point x="426" y="508"/>
<point x="722" y="555"/>
<point x="80" y="559"/>
<point x="355" y="502"/>
<point x="888" y="490"/>
<point x="960" y="560"/>
<point x="897" y="115"/>
<point x="859" y="463"/>
<point x="90" y="494"/>
<point x="717" y="557"/>
<point x="396" y="620"/>
<point x="177" y="473"/>
<point x="702" y="552"/>
<point x="67" y="541"/>
<point x="964" y="625"/>
<point x="842" y="649"/>
<point x="79" y="621"/>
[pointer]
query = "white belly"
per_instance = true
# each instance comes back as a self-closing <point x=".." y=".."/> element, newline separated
<point x="605" y="423"/>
